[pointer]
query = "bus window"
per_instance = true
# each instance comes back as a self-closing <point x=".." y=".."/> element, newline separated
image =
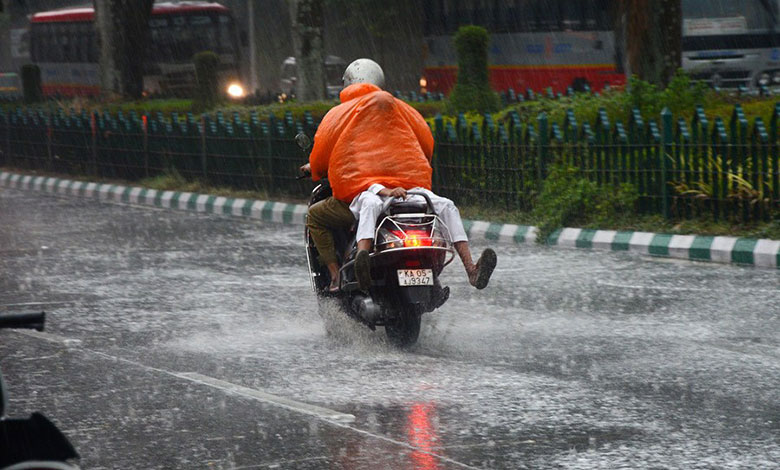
<point x="714" y="17"/>
<point x="226" y="37"/>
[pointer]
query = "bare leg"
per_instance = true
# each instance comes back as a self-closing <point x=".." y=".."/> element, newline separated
<point x="333" y="269"/>
<point x="364" y="244"/>
<point x="479" y="273"/>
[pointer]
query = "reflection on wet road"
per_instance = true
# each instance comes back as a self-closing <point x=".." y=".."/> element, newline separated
<point x="182" y="341"/>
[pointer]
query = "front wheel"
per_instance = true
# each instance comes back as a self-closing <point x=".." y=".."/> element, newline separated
<point x="405" y="331"/>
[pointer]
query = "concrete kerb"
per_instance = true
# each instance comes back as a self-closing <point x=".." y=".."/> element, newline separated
<point x="761" y="253"/>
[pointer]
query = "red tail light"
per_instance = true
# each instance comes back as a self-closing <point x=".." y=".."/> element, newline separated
<point x="414" y="238"/>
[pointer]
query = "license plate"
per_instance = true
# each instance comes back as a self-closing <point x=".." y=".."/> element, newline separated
<point x="415" y="277"/>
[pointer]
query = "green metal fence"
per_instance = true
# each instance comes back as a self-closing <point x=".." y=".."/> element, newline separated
<point x="680" y="168"/>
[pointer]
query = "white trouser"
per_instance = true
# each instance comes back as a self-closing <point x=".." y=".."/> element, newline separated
<point x="367" y="206"/>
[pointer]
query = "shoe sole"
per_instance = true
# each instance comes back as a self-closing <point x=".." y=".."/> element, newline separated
<point x="486" y="265"/>
<point x="363" y="270"/>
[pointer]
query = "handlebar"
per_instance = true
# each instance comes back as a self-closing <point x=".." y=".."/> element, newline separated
<point x="31" y="321"/>
<point x="428" y="201"/>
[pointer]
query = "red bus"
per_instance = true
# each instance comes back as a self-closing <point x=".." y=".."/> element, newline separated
<point x="64" y="45"/>
<point x="534" y="44"/>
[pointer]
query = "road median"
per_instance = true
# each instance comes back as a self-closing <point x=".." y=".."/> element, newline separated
<point x="762" y="253"/>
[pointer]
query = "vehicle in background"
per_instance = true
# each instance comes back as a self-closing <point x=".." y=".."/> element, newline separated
<point x="538" y="44"/>
<point x="732" y="43"/>
<point x="10" y="86"/>
<point x="64" y="45"/>
<point x="534" y="44"/>
<point x="334" y="71"/>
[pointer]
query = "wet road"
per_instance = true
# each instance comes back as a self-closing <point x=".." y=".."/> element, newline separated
<point x="176" y="340"/>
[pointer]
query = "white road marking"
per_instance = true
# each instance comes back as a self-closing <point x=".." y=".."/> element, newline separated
<point x="332" y="417"/>
<point x="293" y="405"/>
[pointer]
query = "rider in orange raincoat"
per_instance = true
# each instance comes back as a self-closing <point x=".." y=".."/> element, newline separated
<point x="368" y="144"/>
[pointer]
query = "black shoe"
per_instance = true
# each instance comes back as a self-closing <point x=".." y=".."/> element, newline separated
<point x="485" y="266"/>
<point x="363" y="270"/>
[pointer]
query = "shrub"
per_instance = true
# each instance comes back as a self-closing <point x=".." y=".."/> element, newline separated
<point x="206" y="66"/>
<point x="472" y="91"/>
<point x="569" y="199"/>
<point x="31" y="83"/>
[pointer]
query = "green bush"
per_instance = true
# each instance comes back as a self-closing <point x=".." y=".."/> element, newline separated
<point x="682" y="95"/>
<point x="31" y="83"/>
<point x="206" y="66"/>
<point x="568" y="199"/>
<point x="472" y="91"/>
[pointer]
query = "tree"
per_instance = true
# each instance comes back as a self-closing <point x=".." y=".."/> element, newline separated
<point x="307" y="25"/>
<point x="651" y="32"/>
<point x="123" y="31"/>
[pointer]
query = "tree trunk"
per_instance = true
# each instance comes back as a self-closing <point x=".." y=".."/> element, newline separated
<point x="653" y="38"/>
<point x="123" y="34"/>
<point x="307" y="25"/>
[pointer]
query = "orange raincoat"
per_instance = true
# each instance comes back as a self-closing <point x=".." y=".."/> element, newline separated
<point x="371" y="137"/>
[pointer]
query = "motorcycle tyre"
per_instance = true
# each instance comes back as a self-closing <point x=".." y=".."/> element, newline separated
<point x="405" y="331"/>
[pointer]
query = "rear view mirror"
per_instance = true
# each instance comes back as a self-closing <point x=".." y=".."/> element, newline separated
<point x="303" y="141"/>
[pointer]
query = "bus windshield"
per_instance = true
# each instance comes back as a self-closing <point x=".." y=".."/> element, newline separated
<point x="177" y="38"/>
<point x="719" y="17"/>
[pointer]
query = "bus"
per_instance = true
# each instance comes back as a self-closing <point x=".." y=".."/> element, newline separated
<point x="732" y="43"/>
<point x="63" y="43"/>
<point x="534" y="44"/>
<point x="557" y="44"/>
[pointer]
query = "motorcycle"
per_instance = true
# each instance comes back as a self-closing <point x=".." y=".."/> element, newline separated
<point x="34" y="442"/>
<point x="411" y="248"/>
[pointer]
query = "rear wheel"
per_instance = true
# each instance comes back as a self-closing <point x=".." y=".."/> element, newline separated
<point x="404" y="332"/>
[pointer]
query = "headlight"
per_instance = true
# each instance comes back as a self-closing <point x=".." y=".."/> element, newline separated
<point x="764" y="79"/>
<point x="776" y="77"/>
<point x="235" y="90"/>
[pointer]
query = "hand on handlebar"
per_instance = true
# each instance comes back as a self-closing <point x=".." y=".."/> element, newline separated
<point x="305" y="170"/>
<point x="395" y="192"/>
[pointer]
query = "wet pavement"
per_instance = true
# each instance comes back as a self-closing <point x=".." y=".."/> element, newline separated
<point x="176" y="340"/>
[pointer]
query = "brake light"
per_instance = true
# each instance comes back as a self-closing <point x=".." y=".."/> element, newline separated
<point x="414" y="238"/>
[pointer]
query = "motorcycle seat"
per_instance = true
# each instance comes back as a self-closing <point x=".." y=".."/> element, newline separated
<point x="408" y="207"/>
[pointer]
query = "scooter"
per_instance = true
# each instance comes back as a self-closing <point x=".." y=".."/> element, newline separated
<point x="411" y="248"/>
<point x="34" y="442"/>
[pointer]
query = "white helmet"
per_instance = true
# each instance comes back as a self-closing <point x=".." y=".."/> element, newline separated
<point x="364" y="71"/>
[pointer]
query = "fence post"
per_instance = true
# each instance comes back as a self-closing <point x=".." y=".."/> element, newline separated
<point x="667" y="140"/>
<point x="544" y="144"/>
<point x="203" y="155"/>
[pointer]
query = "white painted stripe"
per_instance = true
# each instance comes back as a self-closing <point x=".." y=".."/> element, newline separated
<point x="134" y="195"/>
<point x="257" y="209"/>
<point x="238" y="206"/>
<point x="89" y="191"/>
<point x="602" y="239"/>
<point x="38" y="183"/>
<point x="532" y="235"/>
<point x="219" y="203"/>
<point x="765" y="253"/>
<point x="299" y="214"/>
<point x="26" y="181"/>
<point x="62" y="187"/>
<point x="165" y="199"/>
<point x="4" y="177"/>
<point x="680" y="246"/>
<point x="200" y="202"/>
<point x="14" y="178"/>
<point x="184" y="199"/>
<point x="721" y="249"/>
<point x="150" y="196"/>
<point x="102" y="191"/>
<point x="265" y="397"/>
<point x="568" y="237"/>
<point x="507" y="233"/>
<point x="640" y="242"/>
<point x="478" y="229"/>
